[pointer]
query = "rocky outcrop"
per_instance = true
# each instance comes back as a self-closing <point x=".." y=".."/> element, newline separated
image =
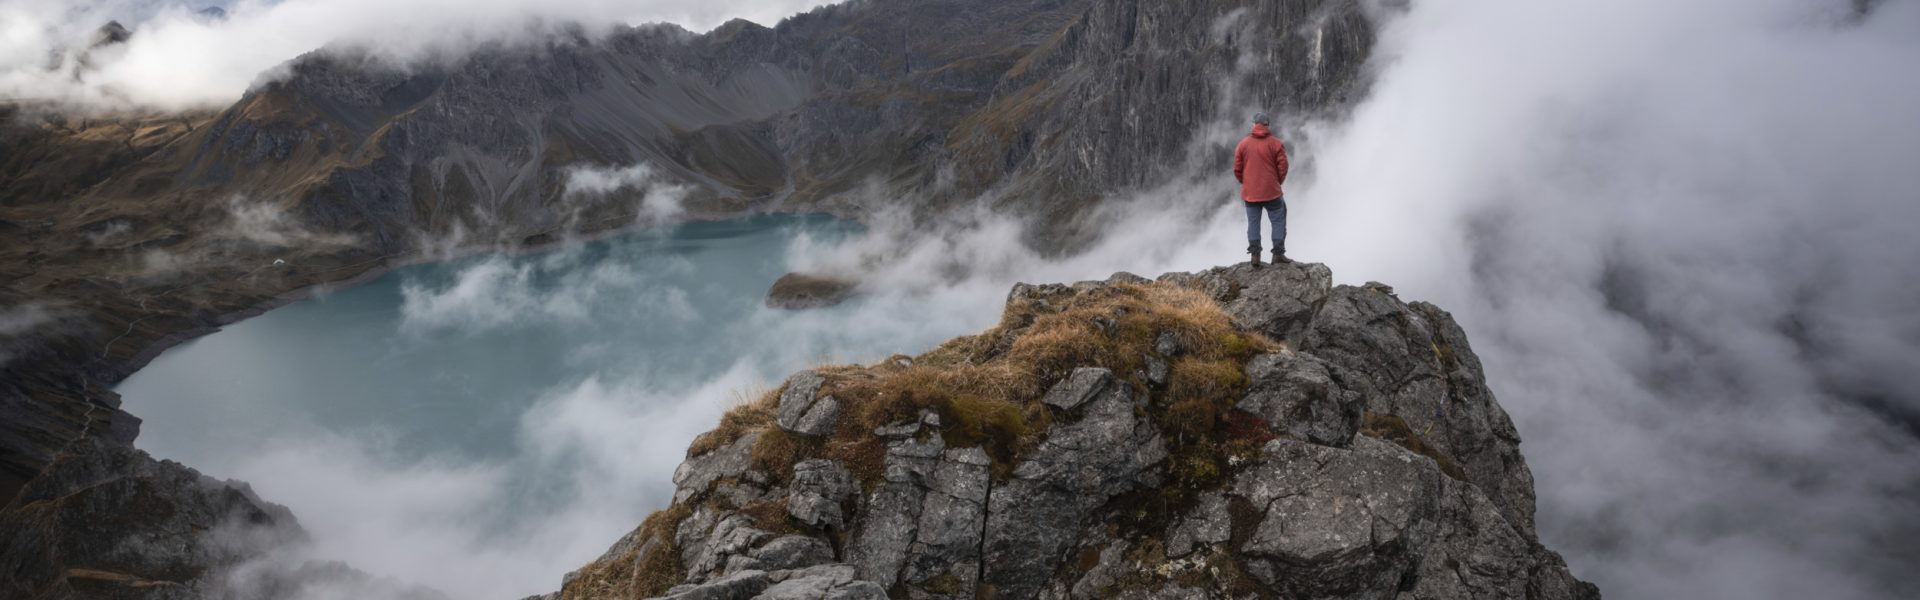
<point x="107" y="521"/>
<point x="1365" y="459"/>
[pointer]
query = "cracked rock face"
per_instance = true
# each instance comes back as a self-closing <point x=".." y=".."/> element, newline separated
<point x="820" y="488"/>
<point x="698" y="474"/>
<point x="1322" y="505"/>
<point x="1297" y="392"/>
<point x="801" y="411"/>
<point x="1078" y="467"/>
<point x="1414" y="362"/>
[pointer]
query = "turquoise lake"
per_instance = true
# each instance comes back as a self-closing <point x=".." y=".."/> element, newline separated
<point x="485" y="424"/>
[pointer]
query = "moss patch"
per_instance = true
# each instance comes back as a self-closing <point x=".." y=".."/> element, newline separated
<point x="1394" y="429"/>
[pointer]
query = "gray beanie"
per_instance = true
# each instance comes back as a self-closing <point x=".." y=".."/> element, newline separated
<point x="1261" y="118"/>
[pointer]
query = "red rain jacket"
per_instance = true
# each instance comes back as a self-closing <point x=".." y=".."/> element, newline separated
<point x="1260" y="163"/>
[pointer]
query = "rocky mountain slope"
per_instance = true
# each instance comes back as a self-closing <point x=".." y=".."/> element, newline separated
<point x="108" y="521"/>
<point x="1239" y="432"/>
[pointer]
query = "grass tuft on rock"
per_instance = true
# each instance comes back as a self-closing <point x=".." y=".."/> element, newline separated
<point x="778" y="450"/>
<point x="750" y="412"/>
<point x="986" y="388"/>
<point x="648" y="569"/>
<point x="1394" y="429"/>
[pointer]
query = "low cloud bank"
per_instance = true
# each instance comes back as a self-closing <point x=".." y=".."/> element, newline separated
<point x="495" y="528"/>
<point x="182" y="56"/>
<point x="1680" y="235"/>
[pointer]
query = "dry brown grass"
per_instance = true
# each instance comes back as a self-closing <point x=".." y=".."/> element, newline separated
<point x="778" y="450"/>
<point x="750" y="412"/>
<point x="770" y="516"/>
<point x="864" y="456"/>
<point x="621" y="578"/>
<point x="986" y="390"/>
<point x="986" y="387"/>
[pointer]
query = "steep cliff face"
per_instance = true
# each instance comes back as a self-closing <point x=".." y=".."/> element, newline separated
<point x="1238" y="432"/>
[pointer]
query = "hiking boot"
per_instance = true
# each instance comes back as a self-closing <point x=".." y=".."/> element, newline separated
<point x="1254" y="251"/>
<point x="1280" y="255"/>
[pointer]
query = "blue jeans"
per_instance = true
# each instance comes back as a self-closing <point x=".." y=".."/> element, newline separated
<point x="1276" y="214"/>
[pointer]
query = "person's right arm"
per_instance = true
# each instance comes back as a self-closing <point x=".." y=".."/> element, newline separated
<point x="1280" y="160"/>
<point x="1240" y="162"/>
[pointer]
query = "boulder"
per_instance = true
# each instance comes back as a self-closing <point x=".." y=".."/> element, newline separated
<point x="1295" y="393"/>
<point x="1277" y="300"/>
<point x="801" y="411"/>
<point x="696" y="475"/>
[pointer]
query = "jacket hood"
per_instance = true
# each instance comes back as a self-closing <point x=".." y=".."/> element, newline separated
<point x="1260" y="131"/>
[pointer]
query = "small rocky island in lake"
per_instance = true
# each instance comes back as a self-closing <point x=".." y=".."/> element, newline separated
<point x="799" y="291"/>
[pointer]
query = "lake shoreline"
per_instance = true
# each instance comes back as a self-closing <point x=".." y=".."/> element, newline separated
<point x="479" y="329"/>
<point x="147" y="353"/>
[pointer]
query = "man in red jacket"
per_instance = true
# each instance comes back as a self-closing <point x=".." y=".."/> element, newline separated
<point x="1260" y="163"/>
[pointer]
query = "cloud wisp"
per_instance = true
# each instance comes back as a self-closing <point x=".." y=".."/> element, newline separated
<point x="656" y="198"/>
<point x="18" y="320"/>
<point x="179" y="57"/>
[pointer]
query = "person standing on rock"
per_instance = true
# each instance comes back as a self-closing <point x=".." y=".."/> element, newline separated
<point x="1260" y="163"/>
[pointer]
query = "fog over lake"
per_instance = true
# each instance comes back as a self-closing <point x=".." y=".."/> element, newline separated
<point x="484" y="425"/>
